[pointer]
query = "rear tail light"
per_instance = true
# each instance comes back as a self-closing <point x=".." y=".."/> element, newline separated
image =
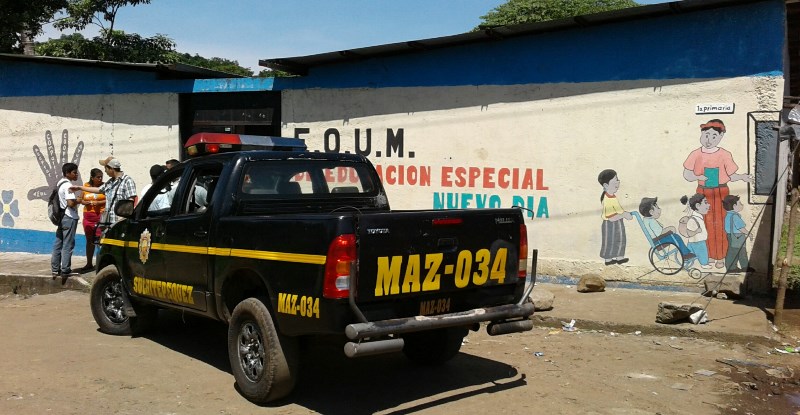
<point x="341" y="256"/>
<point x="523" y="251"/>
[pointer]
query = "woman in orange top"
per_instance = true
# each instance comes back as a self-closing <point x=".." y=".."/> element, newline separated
<point x="93" y="206"/>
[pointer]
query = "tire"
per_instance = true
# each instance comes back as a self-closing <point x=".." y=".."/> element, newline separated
<point x="263" y="362"/>
<point x="666" y="258"/>
<point x="108" y="310"/>
<point x="433" y="347"/>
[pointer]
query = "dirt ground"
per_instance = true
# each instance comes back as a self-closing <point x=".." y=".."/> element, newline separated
<point x="55" y="361"/>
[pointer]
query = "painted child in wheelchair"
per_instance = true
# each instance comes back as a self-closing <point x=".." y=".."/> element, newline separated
<point x="660" y="235"/>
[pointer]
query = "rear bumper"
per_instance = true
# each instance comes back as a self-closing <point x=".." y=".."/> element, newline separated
<point x="498" y="315"/>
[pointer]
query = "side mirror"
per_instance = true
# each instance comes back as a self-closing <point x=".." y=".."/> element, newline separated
<point x="124" y="208"/>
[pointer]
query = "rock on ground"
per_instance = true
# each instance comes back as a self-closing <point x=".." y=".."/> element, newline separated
<point x="591" y="283"/>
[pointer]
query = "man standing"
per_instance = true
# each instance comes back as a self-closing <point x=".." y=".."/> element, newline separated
<point x="61" y="258"/>
<point x="120" y="186"/>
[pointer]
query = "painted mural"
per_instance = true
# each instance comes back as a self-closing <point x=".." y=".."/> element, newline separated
<point x="614" y="239"/>
<point x="452" y="186"/>
<point x="714" y="231"/>
<point x="51" y="164"/>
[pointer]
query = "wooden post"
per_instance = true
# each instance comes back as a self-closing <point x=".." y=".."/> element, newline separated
<point x="786" y="264"/>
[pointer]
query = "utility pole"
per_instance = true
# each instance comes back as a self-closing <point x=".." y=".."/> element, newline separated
<point x="786" y="264"/>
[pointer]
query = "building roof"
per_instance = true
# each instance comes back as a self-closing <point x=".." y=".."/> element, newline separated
<point x="300" y="65"/>
<point x="164" y="71"/>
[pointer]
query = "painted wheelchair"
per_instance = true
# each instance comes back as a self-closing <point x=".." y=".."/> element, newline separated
<point x="666" y="257"/>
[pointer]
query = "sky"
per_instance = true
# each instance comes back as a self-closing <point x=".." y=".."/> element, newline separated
<point x="249" y="30"/>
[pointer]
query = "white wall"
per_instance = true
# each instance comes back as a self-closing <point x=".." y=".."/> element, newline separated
<point x="138" y="129"/>
<point x="567" y="133"/>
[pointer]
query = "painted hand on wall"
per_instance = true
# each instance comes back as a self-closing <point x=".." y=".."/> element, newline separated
<point x="51" y="166"/>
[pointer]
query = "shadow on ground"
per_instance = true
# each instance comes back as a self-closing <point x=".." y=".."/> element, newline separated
<point x="331" y="383"/>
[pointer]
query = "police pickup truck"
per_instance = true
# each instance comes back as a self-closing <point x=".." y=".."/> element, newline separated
<point x="284" y="244"/>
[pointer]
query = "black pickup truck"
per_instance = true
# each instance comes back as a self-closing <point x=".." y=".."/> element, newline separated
<point x="285" y="244"/>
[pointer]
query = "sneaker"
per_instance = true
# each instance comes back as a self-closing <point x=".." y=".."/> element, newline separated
<point x="56" y="274"/>
<point x="622" y="260"/>
<point x="705" y="266"/>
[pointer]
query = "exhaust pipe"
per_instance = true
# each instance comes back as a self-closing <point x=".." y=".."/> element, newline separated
<point x="374" y="347"/>
<point x="496" y="329"/>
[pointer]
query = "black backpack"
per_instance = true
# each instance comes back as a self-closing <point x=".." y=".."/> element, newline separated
<point x="54" y="210"/>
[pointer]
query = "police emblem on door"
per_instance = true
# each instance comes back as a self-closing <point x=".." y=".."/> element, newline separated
<point x="144" y="246"/>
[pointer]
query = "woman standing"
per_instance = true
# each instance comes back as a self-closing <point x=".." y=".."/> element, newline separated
<point x="712" y="167"/>
<point x="613" y="230"/>
<point x="94" y="204"/>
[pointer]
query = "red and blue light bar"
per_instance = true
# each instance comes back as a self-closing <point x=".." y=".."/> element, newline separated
<point x="201" y="144"/>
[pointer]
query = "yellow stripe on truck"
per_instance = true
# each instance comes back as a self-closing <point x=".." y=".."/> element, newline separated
<point x="239" y="253"/>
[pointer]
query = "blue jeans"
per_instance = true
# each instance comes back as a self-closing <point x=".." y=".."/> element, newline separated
<point x="61" y="258"/>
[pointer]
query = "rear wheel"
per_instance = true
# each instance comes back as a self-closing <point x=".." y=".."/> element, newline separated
<point x="108" y="306"/>
<point x="433" y="347"/>
<point x="263" y="362"/>
<point x="666" y="258"/>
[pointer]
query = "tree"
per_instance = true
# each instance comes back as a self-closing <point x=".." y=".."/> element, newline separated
<point x="116" y="46"/>
<point x="529" y="11"/>
<point x="102" y="13"/>
<point x="24" y="19"/>
<point x="217" y="64"/>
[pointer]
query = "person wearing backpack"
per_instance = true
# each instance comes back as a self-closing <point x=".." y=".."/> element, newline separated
<point x="61" y="258"/>
<point x="693" y="227"/>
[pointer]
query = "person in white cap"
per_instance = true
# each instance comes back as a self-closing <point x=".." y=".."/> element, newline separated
<point x="119" y="187"/>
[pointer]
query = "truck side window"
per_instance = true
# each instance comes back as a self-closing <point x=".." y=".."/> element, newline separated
<point x="157" y="200"/>
<point x="201" y="189"/>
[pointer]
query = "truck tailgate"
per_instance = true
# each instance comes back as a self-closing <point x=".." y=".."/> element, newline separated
<point x="437" y="255"/>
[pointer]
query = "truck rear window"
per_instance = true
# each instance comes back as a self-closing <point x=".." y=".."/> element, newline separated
<point x="306" y="177"/>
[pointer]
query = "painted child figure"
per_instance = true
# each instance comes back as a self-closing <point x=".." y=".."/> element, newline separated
<point x="737" y="235"/>
<point x="650" y="212"/>
<point x="614" y="240"/>
<point x="698" y="208"/>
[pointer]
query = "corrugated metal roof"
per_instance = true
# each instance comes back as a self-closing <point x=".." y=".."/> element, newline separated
<point x="299" y="65"/>
<point x="164" y="71"/>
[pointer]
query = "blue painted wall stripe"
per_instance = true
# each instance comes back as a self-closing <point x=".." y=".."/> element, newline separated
<point x="737" y="41"/>
<point x="36" y="242"/>
<point x="744" y="40"/>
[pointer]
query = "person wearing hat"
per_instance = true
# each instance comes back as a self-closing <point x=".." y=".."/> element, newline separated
<point x="120" y="186"/>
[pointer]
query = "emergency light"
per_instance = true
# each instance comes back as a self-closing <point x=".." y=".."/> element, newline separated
<point x="202" y="144"/>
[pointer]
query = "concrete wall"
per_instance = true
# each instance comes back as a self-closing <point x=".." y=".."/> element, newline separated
<point x="40" y="134"/>
<point x="542" y="147"/>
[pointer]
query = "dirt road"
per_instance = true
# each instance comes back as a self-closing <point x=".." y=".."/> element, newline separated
<point x="55" y="361"/>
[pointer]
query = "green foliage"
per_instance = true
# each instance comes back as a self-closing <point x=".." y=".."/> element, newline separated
<point x="217" y="64"/>
<point x="103" y="13"/>
<point x="528" y="11"/>
<point x="18" y="16"/>
<point x="117" y="46"/>
<point x="273" y="73"/>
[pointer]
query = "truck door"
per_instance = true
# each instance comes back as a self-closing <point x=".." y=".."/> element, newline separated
<point x="188" y="266"/>
<point x="149" y="266"/>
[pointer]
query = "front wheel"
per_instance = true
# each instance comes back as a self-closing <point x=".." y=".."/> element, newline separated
<point x="108" y="310"/>
<point x="433" y="347"/>
<point x="263" y="362"/>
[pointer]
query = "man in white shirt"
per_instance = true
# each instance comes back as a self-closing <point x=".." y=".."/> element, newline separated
<point x="61" y="257"/>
